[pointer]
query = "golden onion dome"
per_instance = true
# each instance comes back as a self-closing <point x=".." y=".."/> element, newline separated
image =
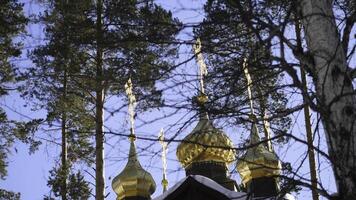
<point x="258" y="161"/>
<point x="133" y="181"/>
<point x="205" y="143"/>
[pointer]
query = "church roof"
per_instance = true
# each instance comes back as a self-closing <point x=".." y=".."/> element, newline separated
<point x="194" y="186"/>
<point x="200" y="187"/>
<point x="258" y="161"/>
<point x="205" y="143"/>
<point x="133" y="181"/>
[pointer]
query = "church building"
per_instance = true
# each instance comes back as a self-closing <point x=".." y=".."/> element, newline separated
<point x="205" y="154"/>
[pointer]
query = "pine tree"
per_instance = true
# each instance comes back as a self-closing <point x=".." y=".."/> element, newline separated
<point x="52" y="82"/>
<point x="109" y="41"/>
<point x="77" y="188"/>
<point x="12" y="23"/>
<point x="9" y="195"/>
<point x="329" y="67"/>
<point x="325" y="57"/>
<point x="229" y="45"/>
<point x="135" y="37"/>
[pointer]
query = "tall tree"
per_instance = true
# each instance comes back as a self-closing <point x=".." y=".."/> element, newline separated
<point x="132" y="39"/>
<point x="12" y="22"/>
<point x="336" y="97"/>
<point x="77" y="188"/>
<point x="325" y="58"/>
<point x="99" y="104"/>
<point x="52" y="81"/>
<point x="230" y="46"/>
<point x="119" y="39"/>
<point x="308" y="126"/>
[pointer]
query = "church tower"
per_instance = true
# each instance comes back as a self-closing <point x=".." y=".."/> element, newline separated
<point x="133" y="183"/>
<point x="205" y="154"/>
<point x="259" y="167"/>
<point x="206" y="151"/>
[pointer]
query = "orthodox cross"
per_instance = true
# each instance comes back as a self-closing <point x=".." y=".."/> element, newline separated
<point x="202" y="66"/>
<point x="132" y="105"/>
<point x="249" y="84"/>
<point x="164" y="159"/>
<point x="254" y="136"/>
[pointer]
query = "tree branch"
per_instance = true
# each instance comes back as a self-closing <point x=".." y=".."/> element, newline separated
<point x="350" y="21"/>
<point x="353" y="73"/>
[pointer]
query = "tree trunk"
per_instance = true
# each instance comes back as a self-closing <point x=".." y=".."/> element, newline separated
<point x="335" y="93"/>
<point x="99" y="115"/>
<point x="64" y="171"/>
<point x="308" y="129"/>
<point x="99" y="150"/>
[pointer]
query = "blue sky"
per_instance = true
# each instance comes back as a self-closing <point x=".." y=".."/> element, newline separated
<point x="28" y="173"/>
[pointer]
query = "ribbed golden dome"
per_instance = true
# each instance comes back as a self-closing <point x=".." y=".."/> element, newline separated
<point x="258" y="161"/>
<point x="205" y="143"/>
<point x="133" y="181"/>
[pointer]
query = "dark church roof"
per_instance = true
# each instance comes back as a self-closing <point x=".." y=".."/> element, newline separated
<point x="200" y="187"/>
<point x="196" y="187"/>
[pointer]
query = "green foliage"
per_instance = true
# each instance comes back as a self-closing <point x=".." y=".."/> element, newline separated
<point x="78" y="188"/>
<point x="25" y="132"/>
<point x="137" y="40"/>
<point x="289" y="185"/>
<point x="11" y="131"/>
<point x="53" y="80"/>
<point x="80" y="148"/>
<point x="227" y="42"/>
<point x="8" y="195"/>
<point x="6" y="141"/>
<point x="12" y="24"/>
